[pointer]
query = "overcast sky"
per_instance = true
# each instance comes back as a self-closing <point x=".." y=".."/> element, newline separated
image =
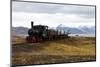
<point x="52" y="14"/>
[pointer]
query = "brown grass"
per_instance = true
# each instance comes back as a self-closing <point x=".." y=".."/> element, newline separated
<point x="18" y="40"/>
<point x="74" y="49"/>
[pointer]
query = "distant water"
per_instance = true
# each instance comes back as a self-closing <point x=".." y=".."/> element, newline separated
<point x="82" y="35"/>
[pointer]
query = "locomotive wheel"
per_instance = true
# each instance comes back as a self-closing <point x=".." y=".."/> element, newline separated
<point x="31" y="39"/>
<point x="39" y="39"/>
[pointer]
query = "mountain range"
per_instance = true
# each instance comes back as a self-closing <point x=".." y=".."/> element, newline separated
<point x="73" y="30"/>
<point x="77" y="30"/>
<point x="19" y="31"/>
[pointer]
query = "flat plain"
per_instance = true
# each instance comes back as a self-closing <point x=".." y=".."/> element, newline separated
<point x="67" y="50"/>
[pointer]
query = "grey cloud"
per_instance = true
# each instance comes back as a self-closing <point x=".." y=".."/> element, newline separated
<point x="34" y="7"/>
<point x="82" y="11"/>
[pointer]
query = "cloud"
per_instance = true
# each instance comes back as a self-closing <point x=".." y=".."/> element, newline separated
<point x="52" y="14"/>
<point x="82" y="11"/>
<point x="52" y="20"/>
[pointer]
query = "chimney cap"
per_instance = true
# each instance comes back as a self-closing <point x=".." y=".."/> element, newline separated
<point x="32" y="21"/>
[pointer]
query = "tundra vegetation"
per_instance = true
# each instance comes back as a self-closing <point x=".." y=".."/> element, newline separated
<point x="68" y="50"/>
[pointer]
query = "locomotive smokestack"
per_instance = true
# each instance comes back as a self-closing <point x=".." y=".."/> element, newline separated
<point x="32" y="24"/>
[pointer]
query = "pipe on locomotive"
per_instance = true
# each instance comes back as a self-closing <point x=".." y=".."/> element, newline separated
<point x="32" y="24"/>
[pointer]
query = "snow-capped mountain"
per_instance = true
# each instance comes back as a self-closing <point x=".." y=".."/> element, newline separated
<point x="77" y="30"/>
<point x="88" y="30"/>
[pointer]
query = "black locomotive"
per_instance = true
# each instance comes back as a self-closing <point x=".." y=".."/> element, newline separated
<point x="40" y="33"/>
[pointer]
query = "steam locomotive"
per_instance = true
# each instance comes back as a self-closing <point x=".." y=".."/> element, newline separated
<point x="40" y="33"/>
